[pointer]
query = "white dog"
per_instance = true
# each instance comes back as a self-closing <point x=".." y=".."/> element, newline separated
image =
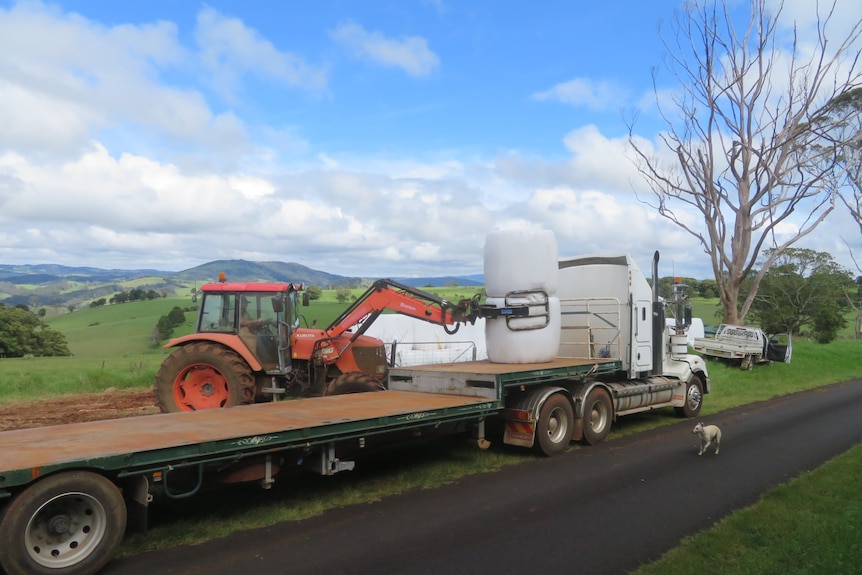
<point x="708" y="434"/>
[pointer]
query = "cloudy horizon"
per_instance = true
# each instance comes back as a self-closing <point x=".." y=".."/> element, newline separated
<point x="381" y="139"/>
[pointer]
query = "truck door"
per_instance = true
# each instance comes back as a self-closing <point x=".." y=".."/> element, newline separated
<point x="779" y="348"/>
<point x="642" y="359"/>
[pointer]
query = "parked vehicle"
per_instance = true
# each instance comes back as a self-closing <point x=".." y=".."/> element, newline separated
<point x="249" y="346"/>
<point x="68" y="493"/>
<point x="745" y="345"/>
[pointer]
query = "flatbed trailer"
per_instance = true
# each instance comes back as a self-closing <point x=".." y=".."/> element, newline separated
<point x="140" y="445"/>
<point x="68" y="492"/>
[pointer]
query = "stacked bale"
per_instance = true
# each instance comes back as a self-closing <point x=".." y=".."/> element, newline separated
<point x="521" y="270"/>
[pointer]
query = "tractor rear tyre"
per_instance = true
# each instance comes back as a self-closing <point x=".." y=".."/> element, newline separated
<point x="203" y="375"/>
<point x="69" y="523"/>
<point x="353" y="382"/>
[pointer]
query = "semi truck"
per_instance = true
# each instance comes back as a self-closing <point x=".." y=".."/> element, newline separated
<point x="68" y="493"/>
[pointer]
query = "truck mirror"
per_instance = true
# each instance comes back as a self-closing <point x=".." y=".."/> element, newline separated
<point x="305" y="299"/>
<point x="277" y="304"/>
<point x="688" y="315"/>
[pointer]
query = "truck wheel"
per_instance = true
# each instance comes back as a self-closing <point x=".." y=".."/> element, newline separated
<point x="69" y="523"/>
<point x="598" y="416"/>
<point x="555" y="426"/>
<point x="203" y="375"/>
<point x="693" y="398"/>
<point x="353" y="382"/>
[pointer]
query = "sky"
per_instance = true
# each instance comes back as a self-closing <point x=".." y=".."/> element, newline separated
<point x="384" y="138"/>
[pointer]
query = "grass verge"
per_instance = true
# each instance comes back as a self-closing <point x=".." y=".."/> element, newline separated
<point x="810" y="525"/>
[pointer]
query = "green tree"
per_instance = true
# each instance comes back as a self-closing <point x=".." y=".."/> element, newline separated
<point x="164" y="327"/>
<point x="23" y="333"/>
<point x="342" y="295"/>
<point x="177" y="316"/>
<point x="708" y="289"/>
<point x="804" y="288"/>
<point x="166" y="324"/>
<point x="313" y="292"/>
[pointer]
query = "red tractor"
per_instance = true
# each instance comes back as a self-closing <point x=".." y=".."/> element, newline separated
<point x="248" y="345"/>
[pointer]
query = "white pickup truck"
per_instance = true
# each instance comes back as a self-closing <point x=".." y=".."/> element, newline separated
<point x="746" y="344"/>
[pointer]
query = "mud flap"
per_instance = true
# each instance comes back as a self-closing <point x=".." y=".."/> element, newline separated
<point x="136" y="492"/>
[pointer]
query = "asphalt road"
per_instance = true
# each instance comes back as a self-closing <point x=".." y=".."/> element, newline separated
<point x="596" y="510"/>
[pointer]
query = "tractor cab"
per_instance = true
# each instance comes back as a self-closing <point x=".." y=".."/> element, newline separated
<point x="263" y="315"/>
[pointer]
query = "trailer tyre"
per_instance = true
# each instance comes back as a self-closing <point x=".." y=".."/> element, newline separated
<point x="556" y="425"/>
<point x="598" y="416"/>
<point x="353" y="382"/>
<point x="693" y="398"/>
<point x="203" y="375"/>
<point x="66" y="524"/>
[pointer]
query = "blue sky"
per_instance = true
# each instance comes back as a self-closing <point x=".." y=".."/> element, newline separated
<point x="381" y="138"/>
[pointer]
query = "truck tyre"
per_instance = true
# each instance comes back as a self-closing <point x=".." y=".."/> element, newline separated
<point x="555" y="425"/>
<point x="693" y="398"/>
<point x="203" y="375"/>
<point x="66" y="524"/>
<point x="353" y="382"/>
<point x="598" y="416"/>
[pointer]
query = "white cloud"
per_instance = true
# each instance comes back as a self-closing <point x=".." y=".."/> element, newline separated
<point x="586" y="92"/>
<point x="66" y="80"/>
<point x="63" y="77"/>
<point x="229" y="49"/>
<point x="410" y="53"/>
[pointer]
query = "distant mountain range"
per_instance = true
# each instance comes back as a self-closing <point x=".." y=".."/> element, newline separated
<point x="51" y="284"/>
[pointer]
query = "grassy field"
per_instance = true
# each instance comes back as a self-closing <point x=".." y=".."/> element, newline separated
<point x="817" y="515"/>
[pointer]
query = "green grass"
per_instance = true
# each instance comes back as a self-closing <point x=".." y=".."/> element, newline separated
<point x="116" y="329"/>
<point x="808" y="526"/>
<point x="32" y="378"/>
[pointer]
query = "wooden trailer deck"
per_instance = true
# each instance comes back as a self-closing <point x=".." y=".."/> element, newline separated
<point x="153" y="440"/>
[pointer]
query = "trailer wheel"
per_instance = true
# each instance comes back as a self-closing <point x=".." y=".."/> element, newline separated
<point x="555" y="426"/>
<point x="353" y="382"/>
<point x="203" y="375"/>
<point x="693" y="398"/>
<point x="598" y="416"/>
<point x="66" y="524"/>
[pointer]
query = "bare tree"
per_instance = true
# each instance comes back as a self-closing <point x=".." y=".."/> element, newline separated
<point x="843" y="120"/>
<point x="739" y="129"/>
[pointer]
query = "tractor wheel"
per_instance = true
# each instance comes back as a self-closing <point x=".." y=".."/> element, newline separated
<point x="693" y="398"/>
<point x="353" y="382"/>
<point x="68" y="523"/>
<point x="203" y="375"/>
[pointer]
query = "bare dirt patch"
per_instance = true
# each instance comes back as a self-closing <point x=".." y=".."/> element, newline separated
<point x="110" y="404"/>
